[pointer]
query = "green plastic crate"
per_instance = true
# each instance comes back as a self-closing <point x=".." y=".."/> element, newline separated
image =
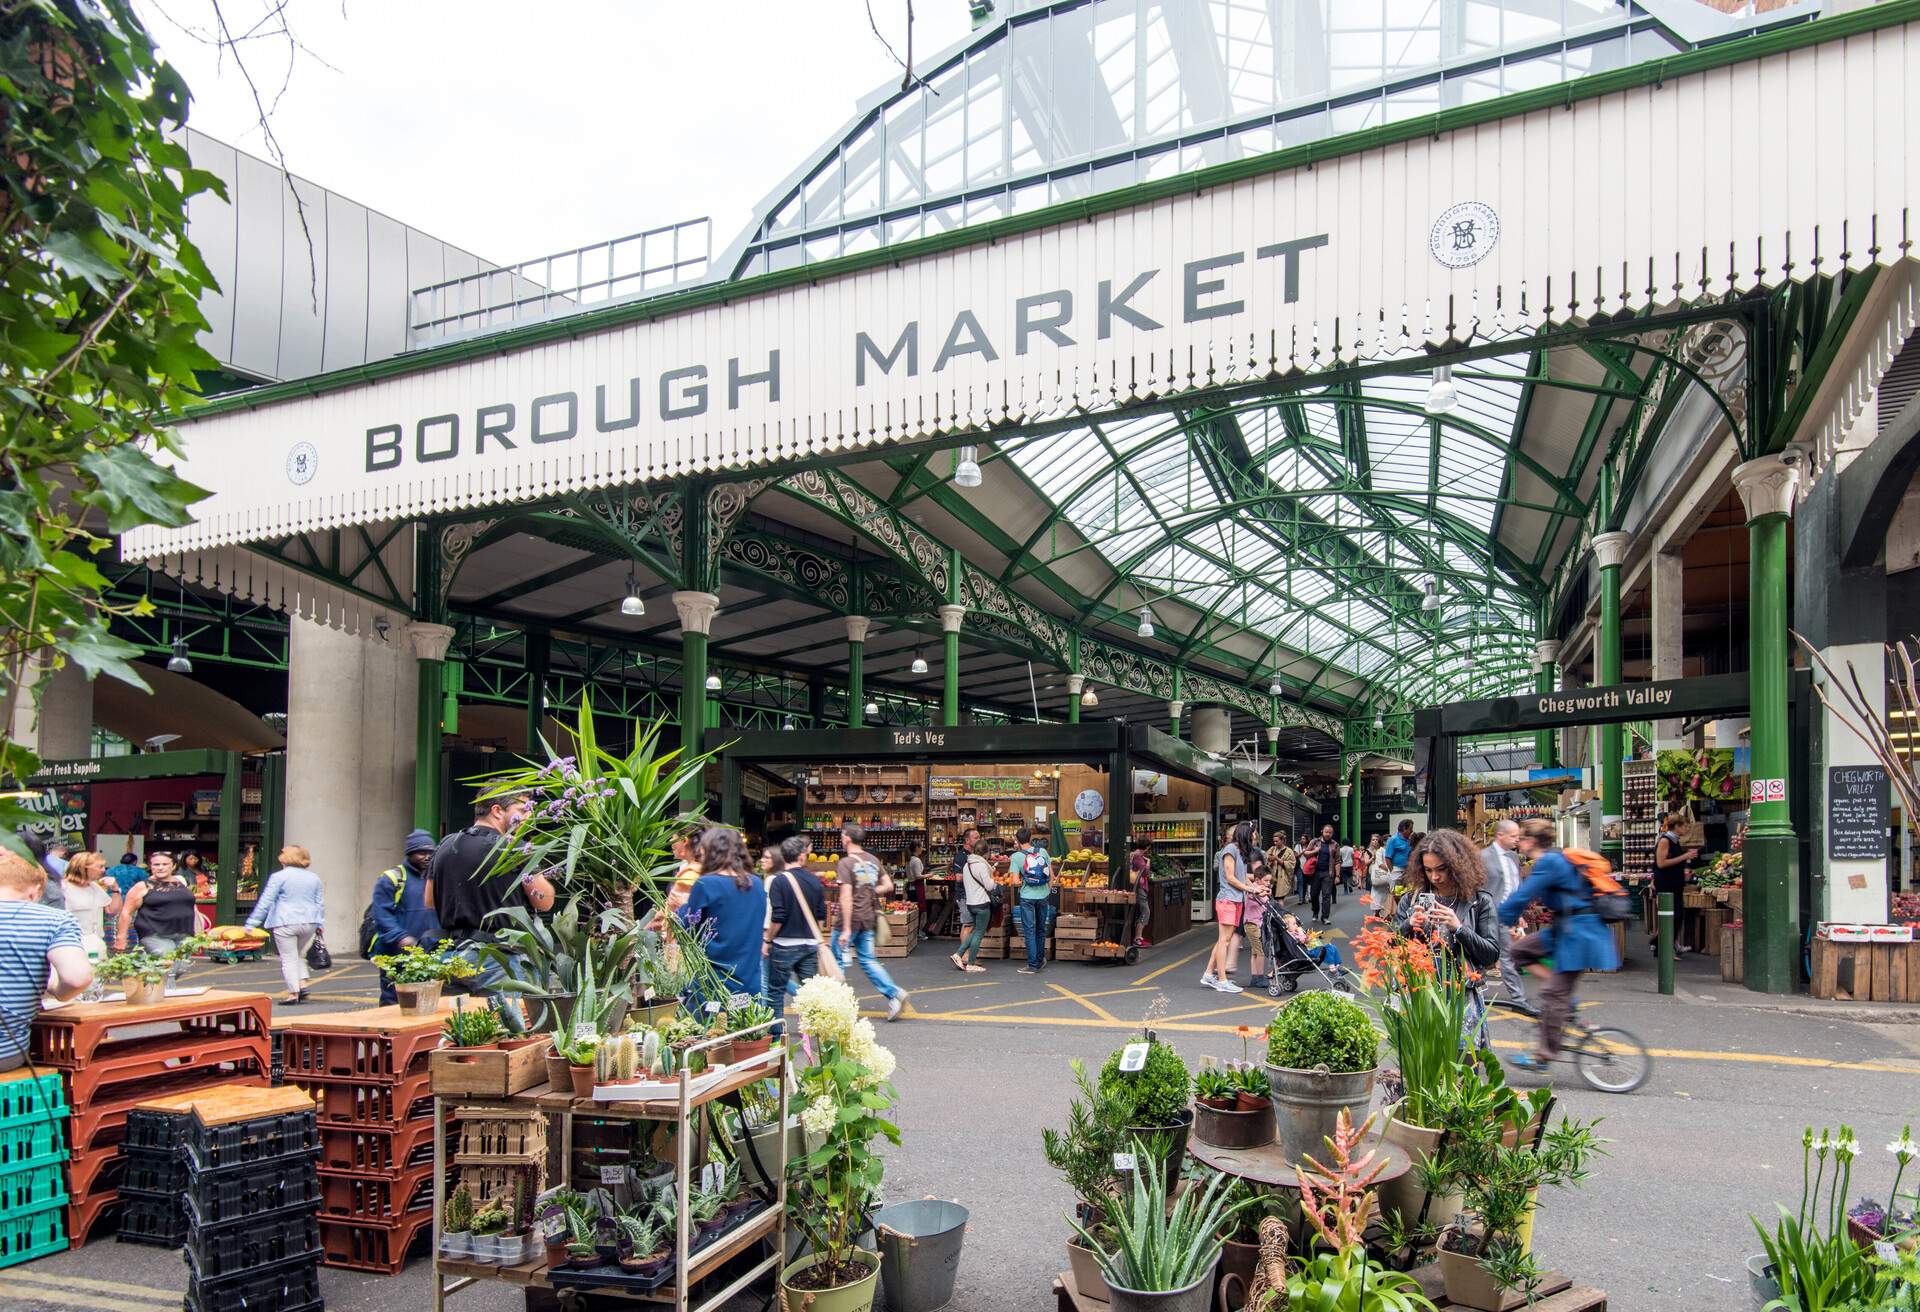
<point x="35" y="1234"/>
<point x="32" y="1143"/>
<point x="33" y="1187"/>
<point x="32" y="1098"/>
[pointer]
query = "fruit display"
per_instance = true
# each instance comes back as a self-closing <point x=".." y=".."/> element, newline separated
<point x="238" y="935"/>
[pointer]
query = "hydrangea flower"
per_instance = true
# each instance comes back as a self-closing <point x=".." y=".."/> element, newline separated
<point x="819" y="1116"/>
<point x="828" y="1008"/>
<point x="880" y="1062"/>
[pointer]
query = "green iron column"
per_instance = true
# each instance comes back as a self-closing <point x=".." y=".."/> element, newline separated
<point x="1611" y="551"/>
<point x="1546" y="743"/>
<point x="1342" y="829"/>
<point x="857" y="629"/>
<point x="429" y="643"/>
<point x="1076" y="684"/>
<point x="1273" y="742"/>
<point x="695" y="610"/>
<point x="951" y="617"/>
<point x="539" y="656"/>
<point x="1766" y="488"/>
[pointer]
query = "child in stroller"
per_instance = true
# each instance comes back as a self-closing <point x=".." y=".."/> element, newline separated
<point x="1289" y="956"/>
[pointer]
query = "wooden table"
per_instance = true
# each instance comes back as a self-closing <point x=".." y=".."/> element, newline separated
<point x="1268" y="1164"/>
<point x="1556" y="1294"/>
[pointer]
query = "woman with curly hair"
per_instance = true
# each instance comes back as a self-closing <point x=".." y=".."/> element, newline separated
<point x="1447" y="903"/>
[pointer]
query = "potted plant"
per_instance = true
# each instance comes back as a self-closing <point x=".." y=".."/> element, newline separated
<point x="753" y="1016"/>
<point x="719" y="1025"/>
<point x="1214" y="1087"/>
<point x="1337" y="1204"/>
<point x="580" y="1053"/>
<point x="1810" y="1262"/>
<point x="1162" y="1258"/>
<point x="456" y="1223"/>
<point x="418" y="974"/>
<point x="143" y="976"/>
<point x="1218" y="1117"/>
<point x="1156" y="1095"/>
<point x="1486" y="1252"/>
<point x="1252" y="1091"/>
<point x="555" y="961"/>
<point x="1240" y="1233"/>
<point x="703" y="1212"/>
<point x="1084" y="1153"/>
<point x="472" y="1028"/>
<point x="490" y="1221"/>
<point x="554" y="1212"/>
<point x="832" y="1189"/>
<point x="1322" y="1056"/>
<point x="643" y="1245"/>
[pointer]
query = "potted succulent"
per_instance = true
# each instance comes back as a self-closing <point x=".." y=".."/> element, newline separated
<point x="554" y="1215"/>
<point x="456" y="1223"/>
<point x="1322" y="1056"/>
<point x="1252" y="1091"/>
<point x="1214" y="1087"/>
<point x="1218" y="1117"/>
<point x="703" y="1212"/>
<point x="1157" y="1095"/>
<point x="580" y="1053"/>
<point x="1162" y="1259"/>
<point x="1083" y="1153"/>
<point x="831" y="1191"/>
<point x="490" y="1221"/>
<point x="418" y="974"/>
<point x="642" y="1248"/>
<point x="751" y="1017"/>
<point x="1486" y="1252"/>
<point x="471" y="1028"/>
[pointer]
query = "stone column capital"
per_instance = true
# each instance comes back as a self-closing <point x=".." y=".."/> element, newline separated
<point x="1546" y="652"/>
<point x="1075" y="682"/>
<point x="429" y="641"/>
<point x="1273" y="734"/>
<point x="1611" y="548"/>
<point x="1176" y="708"/>
<point x="858" y="626"/>
<point x="696" y="611"/>
<point x="1345" y="789"/>
<point x="951" y="617"/>
<point x="1766" y="486"/>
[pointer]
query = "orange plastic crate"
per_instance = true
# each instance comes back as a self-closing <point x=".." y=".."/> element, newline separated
<point x="372" y="1245"/>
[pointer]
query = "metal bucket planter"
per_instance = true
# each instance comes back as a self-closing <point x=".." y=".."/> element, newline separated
<point x="419" y="999"/>
<point x="1762" y="1279"/>
<point x="1196" y="1297"/>
<point x="856" y="1297"/>
<point x="1307" y="1106"/>
<point x="919" y="1253"/>
<point x="1176" y="1137"/>
<point x="1231" y="1127"/>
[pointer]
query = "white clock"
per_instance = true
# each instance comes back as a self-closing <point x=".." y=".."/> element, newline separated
<point x="1089" y="805"/>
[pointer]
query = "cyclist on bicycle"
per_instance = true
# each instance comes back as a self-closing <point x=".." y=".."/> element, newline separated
<point x="1576" y="940"/>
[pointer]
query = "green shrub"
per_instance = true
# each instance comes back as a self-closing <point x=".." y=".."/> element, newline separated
<point x="1157" y="1091"/>
<point x="1318" y="1029"/>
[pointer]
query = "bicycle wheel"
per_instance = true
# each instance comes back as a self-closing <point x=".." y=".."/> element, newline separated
<point x="1612" y="1060"/>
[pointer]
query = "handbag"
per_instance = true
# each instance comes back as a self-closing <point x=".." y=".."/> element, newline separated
<point x="829" y="964"/>
<point x="317" y="955"/>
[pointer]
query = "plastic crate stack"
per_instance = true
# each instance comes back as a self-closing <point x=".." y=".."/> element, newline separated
<point x="371" y="1084"/>
<point x="33" y="1152"/>
<point x="114" y="1057"/>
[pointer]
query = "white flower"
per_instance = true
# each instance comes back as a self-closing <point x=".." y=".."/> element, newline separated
<point x="880" y="1061"/>
<point x="1904" y="1147"/>
<point x="1846" y="1145"/>
<point x="828" y="1008"/>
<point x="861" y="1041"/>
<point x="1822" y="1145"/>
<point x="819" y="1116"/>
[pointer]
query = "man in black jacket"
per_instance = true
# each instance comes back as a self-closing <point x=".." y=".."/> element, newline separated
<point x="472" y="875"/>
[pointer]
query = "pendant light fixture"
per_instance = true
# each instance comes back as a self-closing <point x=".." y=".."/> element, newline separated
<point x="632" y="605"/>
<point x="713" y="683"/>
<point x="1089" y="697"/>
<point x="1431" y="601"/>
<point x="919" y="665"/>
<point x="966" y="470"/>
<point x="1442" y="395"/>
<point x="1379" y="721"/>
<point x="1274" y="689"/>
<point x="871" y="709"/>
<point x="787" y="722"/>
<point x="178" y="662"/>
<point x="1146" y="623"/>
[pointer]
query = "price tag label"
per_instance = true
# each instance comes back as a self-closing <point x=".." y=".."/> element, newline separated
<point x="736" y="1001"/>
<point x="713" y="1009"/>
<point x="1885" y="1251"/>
<point x="583" y="1030"/>
<point x="1123" y="1162"/>
<point x="710" y="1176"/>
<point x="1207" y="1062"/>
<point x="613" y="1175"/>
<point x="1133" y="1057"/>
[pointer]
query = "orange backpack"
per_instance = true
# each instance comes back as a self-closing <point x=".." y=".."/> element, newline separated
<point x="1608" y="897"/>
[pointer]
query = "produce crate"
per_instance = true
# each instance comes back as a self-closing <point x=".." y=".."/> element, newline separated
<point x="91" y="1213"/>
<point x="235" y="1250"/>
<point x="245" y="1194"/>
<point x="1711" y="922"/>
<point x="501" y="1135"/>
<point x="1697" y="899"/>
<point x="376" y="1197"/>
<point x="27" y="1235"/>
<point x="81" y="1034"/>
<point x="96" y="1173"/>
<point x="26" y="1095"/>
<point x="369" y="1106"/>
<point x="385" y="1055"/>
<point x="155" y="1219"/>
<point x="1862" y="972"/>
<point x="256" y="1139"/>
<point x="372" y="1245"/>
<point x="489" y="1072"/>
<point x="292" y="1286"/>
<point x="133" y="1066"/>
<point x="102" y="1125"/>
<point x="148" y="1171"/>
<point x="376" y="1151"/>
<point x="1733" y="953"/>
<point x="32" y="1143"/>
<point x="32" y="1188"/>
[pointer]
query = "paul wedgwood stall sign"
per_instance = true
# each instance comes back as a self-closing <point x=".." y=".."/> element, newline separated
<point x="1857" y="812"/>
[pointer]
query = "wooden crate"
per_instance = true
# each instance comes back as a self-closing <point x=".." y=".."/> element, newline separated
<point x="1737" y="902"/>
<point x="488" y="1072"/>
<point x="1711" y="922"/>
<point x="1066" y="922"/>
<point x="1890" y="976"/>
<point x="1699" y="899"/>
<point x="1733" y="953"/>
<point x="1862" y="972"/>
<point x="1066" y="935"/>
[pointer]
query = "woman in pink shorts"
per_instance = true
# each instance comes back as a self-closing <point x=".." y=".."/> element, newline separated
<point x="1229" y="906"/>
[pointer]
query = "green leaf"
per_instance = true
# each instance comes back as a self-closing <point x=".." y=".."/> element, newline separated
<point x="136" y="490"/>
<point x="72" y="255"/>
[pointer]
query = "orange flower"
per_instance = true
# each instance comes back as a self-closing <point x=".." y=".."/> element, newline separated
<point x="1366" y="899"/>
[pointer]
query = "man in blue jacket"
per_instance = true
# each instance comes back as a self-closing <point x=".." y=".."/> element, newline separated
<point x="1576" y="940"/>
<point x="401" y="916"/>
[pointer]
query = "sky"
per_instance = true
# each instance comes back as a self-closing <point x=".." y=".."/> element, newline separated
<point x="513" y="129"/>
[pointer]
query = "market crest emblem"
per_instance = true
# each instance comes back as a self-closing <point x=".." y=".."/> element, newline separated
<point x="1464" y="234"/>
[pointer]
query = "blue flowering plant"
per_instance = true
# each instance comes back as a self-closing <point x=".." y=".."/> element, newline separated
<point x="602" y="823"/>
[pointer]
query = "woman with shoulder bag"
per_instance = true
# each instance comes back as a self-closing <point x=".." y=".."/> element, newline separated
<point x="976" y="888"/>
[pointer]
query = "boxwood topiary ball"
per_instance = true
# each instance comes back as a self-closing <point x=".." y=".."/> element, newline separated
<point x="1317" y="1029"/>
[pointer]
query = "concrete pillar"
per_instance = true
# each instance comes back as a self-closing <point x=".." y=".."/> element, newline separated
<point x="60" y="727"/>
<point x="1213" y="729"/>
<point x="1669" y="638"/>
<point x="351" y="722"/>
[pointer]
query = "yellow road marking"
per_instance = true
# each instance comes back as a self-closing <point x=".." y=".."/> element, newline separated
<point x="58" y="1294"/>
<point x="948" y="988"/>
<point x="1099" y="1011"/>
<point x="1222" y="1011"/>
<point x="105" y="1286"/>
<point x="1149" y="978"/>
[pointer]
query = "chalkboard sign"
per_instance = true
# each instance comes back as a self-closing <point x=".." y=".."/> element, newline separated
<point x="1857" y="805"/>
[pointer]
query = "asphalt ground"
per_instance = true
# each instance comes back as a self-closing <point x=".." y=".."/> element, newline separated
<point x="1713" y="1139"/>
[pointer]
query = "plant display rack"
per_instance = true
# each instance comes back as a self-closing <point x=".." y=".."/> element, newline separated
<point x="114" y="1056"/>
<point x="228" y="1174"/>
<point x="682" y="1111"/>
<point x="33" y="1153"/>
<point x="368" y="1074"/>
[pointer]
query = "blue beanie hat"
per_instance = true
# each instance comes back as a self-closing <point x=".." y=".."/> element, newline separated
<point x="420" y="841"/>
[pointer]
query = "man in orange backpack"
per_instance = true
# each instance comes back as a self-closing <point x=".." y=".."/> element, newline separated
<point x="1577" y="940"/>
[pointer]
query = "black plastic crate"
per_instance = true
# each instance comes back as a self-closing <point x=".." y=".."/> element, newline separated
<point x="151" y="1171"/>
<point x="156" y="1219"/>
<point x="156" y="1132"/>
<point x="240" y="1143"/>
<point x="234" y="1250"/>
<point x="242" y="1193"/>
<point x="292" y="1286"/>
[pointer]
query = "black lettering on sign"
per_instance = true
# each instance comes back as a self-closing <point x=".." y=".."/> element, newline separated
<point x="494" y="421"/>
<point x="383" y="448"/>
<point x="548" y="428"/>
<point x="423" y="452"/>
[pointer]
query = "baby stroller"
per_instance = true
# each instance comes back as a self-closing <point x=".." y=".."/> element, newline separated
<point x="1287" y="958"/>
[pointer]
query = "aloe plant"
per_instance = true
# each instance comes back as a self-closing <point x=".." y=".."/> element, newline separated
<point x="641" y="1230"/>
<point x="1157" y="1249"/>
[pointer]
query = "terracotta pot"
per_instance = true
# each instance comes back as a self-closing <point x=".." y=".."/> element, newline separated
<point x="1469" y="1285"/>
<point x="747" y="1049"/>
<point x="581" y="1078"/>
<point x="558" y="1068"/>
<point x="1218" y="1104"/>
<point x="1238" y="1259"/>
<point x="1251" y="1102"/>
<point x="520" y="1041"/>
<point x="556" y="1256"/>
